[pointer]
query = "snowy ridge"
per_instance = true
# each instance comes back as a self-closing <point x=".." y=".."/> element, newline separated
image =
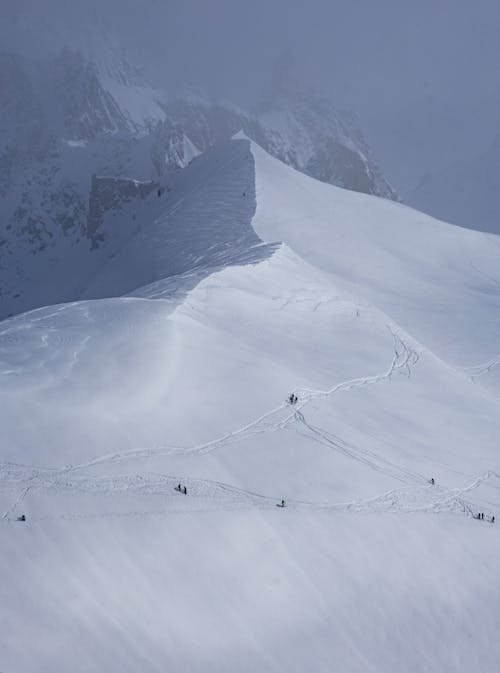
<point x="304" y="131"/>
<point x="87" y="112"/>
<point x="246" y="281"/>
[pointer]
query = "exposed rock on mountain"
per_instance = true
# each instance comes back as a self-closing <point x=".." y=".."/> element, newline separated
<point x="67" y="119"/>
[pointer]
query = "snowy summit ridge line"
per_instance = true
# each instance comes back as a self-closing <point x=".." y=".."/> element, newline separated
<point x="79" y="130"/>
<point x="261" y="404"/>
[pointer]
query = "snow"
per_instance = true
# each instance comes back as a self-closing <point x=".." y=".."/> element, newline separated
<point x="139" y="103"/>
<point x="440" y="291"/>
<point x="77" y="143"/>
<point x="190" y="150"/>
<point x="251" y="282"/>
<point x="83" y="114"/>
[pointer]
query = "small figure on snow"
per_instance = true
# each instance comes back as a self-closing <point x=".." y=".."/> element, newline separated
<point x="492" y="519"/>
<point x="292" y="398"/>
<point x="185" y="491"/>
<point x="22" y="517"/>
<point x="432" y="482"/>
<point x="283" y="504"/>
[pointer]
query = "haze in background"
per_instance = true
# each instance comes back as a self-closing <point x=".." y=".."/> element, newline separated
<point x="422" y="77"/>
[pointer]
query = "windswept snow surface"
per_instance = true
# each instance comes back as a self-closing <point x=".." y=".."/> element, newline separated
<point x="386" y="325"/>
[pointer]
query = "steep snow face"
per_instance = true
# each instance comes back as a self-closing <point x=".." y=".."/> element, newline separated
<point x="59" y="126"/>
<point x="325" y="143"/>
<point x="137" y="232"/>
<point x="87" y="108"/>
<point x="203" y="221"/>
<point x="437" y="280"/>
<point x="107" y="405"/>
<point x="77" y="116"/>
<point x="304" y="131"/>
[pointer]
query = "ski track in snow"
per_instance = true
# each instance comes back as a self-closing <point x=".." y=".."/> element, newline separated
<point x="475" y="371"/>
<point x="402" y="359"/>
<point x="367" y="457"/>
<point x="207" y="495"/>
<point x="204" y="495"/>
<point x="17" y="502"/>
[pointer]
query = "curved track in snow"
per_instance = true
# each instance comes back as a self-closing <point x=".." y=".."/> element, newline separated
<point x="273" y="420"/>
<point x="416" y="495"/>
<point x="208" y="495"/>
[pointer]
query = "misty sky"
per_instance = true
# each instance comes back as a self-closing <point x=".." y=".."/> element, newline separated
<point x="422" y="76"/>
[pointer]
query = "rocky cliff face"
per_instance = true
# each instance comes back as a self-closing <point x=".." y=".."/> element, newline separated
<point x="304" y="131"/>
<point x="65" y="120"/>
<point x="112" y="194"/>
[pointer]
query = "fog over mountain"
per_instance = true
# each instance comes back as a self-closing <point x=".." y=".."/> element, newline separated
<point x="90" y="129"/>
<point x="420" y="76"/>
<point x="249" y="392"/>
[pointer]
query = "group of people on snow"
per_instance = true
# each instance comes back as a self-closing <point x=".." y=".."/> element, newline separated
<point x="292" y="398"/>
<point x="480" y="517"/>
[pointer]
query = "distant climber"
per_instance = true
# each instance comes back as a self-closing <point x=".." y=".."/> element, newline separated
<point x="432" y="482"/>
<point x="492" y="519"/>
<point x="282" y="504"/>
<point x="159" y="192"/>
<point x="292" y="398"/>
<point x="22" y="517"/>
<point x="178" y="487"/>
<point x="185" y="491"/>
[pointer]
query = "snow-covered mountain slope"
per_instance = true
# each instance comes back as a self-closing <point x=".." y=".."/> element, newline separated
<point x="75" y="117"/>
<point x="59" y="126"/>
<point x="303" y="130"/>
<point x="140" y="232"/>
<point x="440" y="291"/>
<point x="107" y="405"/>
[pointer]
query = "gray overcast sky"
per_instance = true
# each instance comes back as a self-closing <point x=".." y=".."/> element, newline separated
<point x="422" y="76"/>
